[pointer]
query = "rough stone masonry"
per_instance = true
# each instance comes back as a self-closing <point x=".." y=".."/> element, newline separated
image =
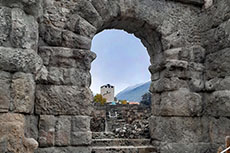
<point x="45" y="57"/>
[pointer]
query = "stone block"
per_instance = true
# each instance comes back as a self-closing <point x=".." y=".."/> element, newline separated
<point x="64" y="150"/>
<point x="196" y="85"/>
<point x="187" y="148"/>
<point x="63" y="100"/>
<point x="177" y="73"/>
<point x="195" y="70"/>
<point x="24" y="32"/>
<point x="168" y="84"/>
<point x="172" y="54"/>
<point x="63" y="131"/>
<point x="178" y="103"/>
<point x="23" y="91"/>
<point x="106" y="9"/>
<point x="179" y="129"/>
<point x="87" y="11"/>
<point x="218" y="103"/>
<point x="219" y="129"/>
<point x="81" y="138"/>
<point x="19" y="60"/>
<point x="217" y="64"/>
<point x="218" y="84"/>
<point x="31" y="126"/>
<point x="12" y="137"/>
<point x="47" y="130"/>
<point x="174" y="64"/>
<point x="5" y="97"/>
<point x="173" y="40"/>
<point x="81" y="26"/>
<point x="193" y="54"/>
<point x="80" y="123"/>
<point x="66" y="57"/>
<point x="68" y="76"/>
<point x="5" y="26"/>
<point x="50" y="34"/>
<point x="73" y="40"/>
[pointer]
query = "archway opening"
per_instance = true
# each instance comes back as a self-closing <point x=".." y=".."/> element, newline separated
<point x="120" y="75"/>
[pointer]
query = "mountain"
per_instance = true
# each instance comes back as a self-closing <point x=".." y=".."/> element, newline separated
<point x="134" y="93"/>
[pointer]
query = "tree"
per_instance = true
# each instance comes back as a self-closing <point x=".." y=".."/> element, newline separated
<point x="146" y="99"/>
<point x="123" y="102"/>
<point x="98" y="98"/>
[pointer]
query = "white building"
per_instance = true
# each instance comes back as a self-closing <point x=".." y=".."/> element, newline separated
<point x="107" y="91"/>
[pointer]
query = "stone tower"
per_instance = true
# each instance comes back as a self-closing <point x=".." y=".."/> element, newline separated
<point x="107" y="91"/>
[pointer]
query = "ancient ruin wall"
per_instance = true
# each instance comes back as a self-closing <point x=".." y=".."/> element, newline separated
<point x="45" y="60"/>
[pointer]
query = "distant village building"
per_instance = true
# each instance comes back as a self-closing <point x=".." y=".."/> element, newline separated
<point x="133" y="103"/>
<point x="107" y="91"/>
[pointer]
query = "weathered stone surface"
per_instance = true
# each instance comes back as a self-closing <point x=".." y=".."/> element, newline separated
<point x="68" y="76"/>
<point x="178" y="103"/>
<point x="50" y="35"/>
<point x="12" y="137"/>
<point x="67" y="66"/>
<point x="193" y="54"/>
<point x="217" y="64"/>
<point x="168" y="84"/>
<point x="81" y="26"/>
<point x="174" y="72"/>
<point x="173" y="53"/>
<point x="66" y="100"/>
<point x="188" y="148"/>
<point x="63" y="131"/>
<point x="179" y="129"/>
<point x="64" y="150"/>
<point x="208" y="3"/>
<point x="66" y="57"/>
<point x="106" y="9"/>
<point x="72" y="40"/>
<point x="196" y="85"/>
<point x="24" y="32"/>
<point x="87" y="11"/>
<point x="24" y="60"/>
<point x="80" y="123"/>
<point x="81" y="138"/>
<point x="31" y="126"/>
<point x="219" y="129"/>
<point x="218" y="103"/>
<point x="23" y="91"/>
<point x="54" y="36"/>
<point x="216" y="39"/>
<point x="5" y="97"/>
<point x="218" y="84"/>
<point x="171" y="64"/>
<point x="5" y="17"/>
<point x="46" y="130"/>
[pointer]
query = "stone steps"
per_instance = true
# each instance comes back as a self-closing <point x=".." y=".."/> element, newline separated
<point x="103" y="135"/>
<point x="121" y="142"/>
<point x="124" y="149"/>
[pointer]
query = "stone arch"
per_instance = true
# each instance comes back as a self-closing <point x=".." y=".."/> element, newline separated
<point x="165" y="30"/>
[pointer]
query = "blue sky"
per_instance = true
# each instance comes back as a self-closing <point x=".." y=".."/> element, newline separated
<point x="122" y="60"/>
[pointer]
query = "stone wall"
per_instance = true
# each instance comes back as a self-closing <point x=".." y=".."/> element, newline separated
<point x="45" y="61"/>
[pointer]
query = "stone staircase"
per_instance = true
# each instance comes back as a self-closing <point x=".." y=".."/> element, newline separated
<point x="116" y="145"/>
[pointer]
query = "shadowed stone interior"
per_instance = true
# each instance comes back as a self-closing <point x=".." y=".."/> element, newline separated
<point x="45" y="62"/>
